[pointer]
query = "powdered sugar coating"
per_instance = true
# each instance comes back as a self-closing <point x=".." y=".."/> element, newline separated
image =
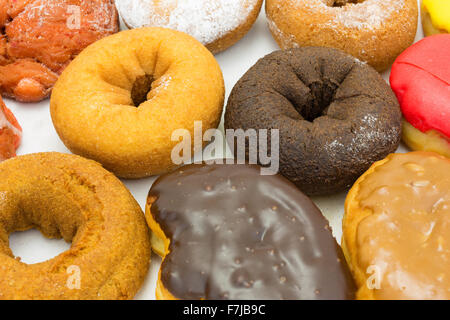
<point x="368" y="14"/>
<point x="205" y="20"/>
<point x="160" y="85"/>
<point x="288" y="40"/>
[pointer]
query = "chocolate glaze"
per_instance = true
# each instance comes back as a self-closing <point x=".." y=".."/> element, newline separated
<point x="335" y="115"/>
<point x="235" y="234"/>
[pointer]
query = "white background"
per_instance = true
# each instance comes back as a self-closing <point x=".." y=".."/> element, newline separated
<point x="39" y="136"/>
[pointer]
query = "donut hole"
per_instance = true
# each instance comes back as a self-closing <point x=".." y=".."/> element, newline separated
<point x="57" y="209"/>
<point x="340" y="3"/>
<point x="141" y="87"/>
<point x="316" y="105"/>
<point x="32" y="247"/>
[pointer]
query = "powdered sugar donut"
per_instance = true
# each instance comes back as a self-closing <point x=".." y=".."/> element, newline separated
<point x="374" y="31"/>
<point x="218" y="24"/>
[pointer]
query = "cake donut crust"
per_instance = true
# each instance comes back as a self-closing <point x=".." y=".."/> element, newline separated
<point x="217" y="24"/>
<point x="374" y="31"/>
<point x="69" y="197"/>
<point x="122" y="98"/>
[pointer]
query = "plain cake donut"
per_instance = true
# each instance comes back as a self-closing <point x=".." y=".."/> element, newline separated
<point x="122" y="98"/>
<point x="218" y="24"/>
<point x="374" y="31"/>
<point x="66" y="196"/>
<point x="335" y="115"/>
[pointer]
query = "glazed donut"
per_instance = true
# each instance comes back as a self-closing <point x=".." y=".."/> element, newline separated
<point x="38" y="38"/>
<point x="435" y="16"/>
<point x="218" y="24"/>
<point x="335" y="115"/>
<point x="374" y="31"/>
<point x="420" y="77"/>
<point x="396" y="228"/>
<point x="122" y="98"/>
<point x="10" y="133"/>
<point x="228" y="232"/>
<point x="66" y="196"/>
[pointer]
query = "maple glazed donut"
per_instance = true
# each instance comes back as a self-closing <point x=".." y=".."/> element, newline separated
<point x="396" y="228"/>
<point x="39" y="38"/>
<point x="122" y="98"/>
<point x="228" y="232"/>
<point x="66" y="196"/>
<point x="374" y="31"/>
<point x="218" y="24"/>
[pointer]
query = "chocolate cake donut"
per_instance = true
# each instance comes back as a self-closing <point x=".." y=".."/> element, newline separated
<point x="335" y="115"/>
<point x="228" y="232"/>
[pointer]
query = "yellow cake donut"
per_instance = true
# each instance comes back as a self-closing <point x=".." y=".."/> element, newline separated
<point x="218" y="24"/>
<point x="374" y="31"/>
<point x="435" y="16"/>
<point x="67" y="196"/>
<point x="396" y="228"/>
<point x="121" y="99"/>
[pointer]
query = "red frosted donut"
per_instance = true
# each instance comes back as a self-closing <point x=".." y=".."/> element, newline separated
<point x="420" y="78"/>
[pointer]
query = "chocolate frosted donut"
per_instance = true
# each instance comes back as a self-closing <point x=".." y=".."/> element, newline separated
<point x="335" y="115"/>
<point x="227" y="232"/>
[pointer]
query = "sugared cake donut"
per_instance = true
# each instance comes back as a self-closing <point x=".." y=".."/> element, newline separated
<point x="335" y="115"/>
<point x="374" y="31"/>
<point x="66" y="196"/>
<point x="420" y="77"/>
<point x="397" y="228"/>
<point x="228" y="232"/>
<point x="218" y="24"/>
<point x="122" y="98"/>
<point x="38" y="38"/>
<point x="435" y="16"/>
<point x="10" y="133"/>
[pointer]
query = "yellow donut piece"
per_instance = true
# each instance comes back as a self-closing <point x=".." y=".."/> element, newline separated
<point x="122" y="98"/>
<point x="436" y="16"/>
